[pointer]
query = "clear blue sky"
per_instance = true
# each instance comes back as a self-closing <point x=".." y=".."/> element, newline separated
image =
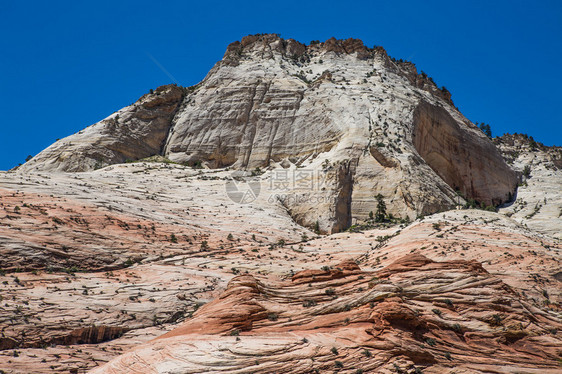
<point x="66" y="65"/>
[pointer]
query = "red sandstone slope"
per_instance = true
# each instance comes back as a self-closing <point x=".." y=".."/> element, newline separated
<point x="413" y="315"/>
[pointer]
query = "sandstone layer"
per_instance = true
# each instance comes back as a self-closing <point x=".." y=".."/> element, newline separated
<point x="360" y="122"/>
<point x="538" y="203"/>
<point x="82" y="283"/>
<point x="413" y="314"/>
<point x="188" y="232"/>
<point x="132" y="133"/>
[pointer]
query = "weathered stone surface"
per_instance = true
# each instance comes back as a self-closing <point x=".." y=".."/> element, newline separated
<point x="413" y="314"/>
<point x="152" y="267"/>
<point x="463" y="158"/>
<point x="275" y="105"/>
<point x="538" y="203"/>
<point x="132" y="133"/>
<point x="279" y="104"/>
<point x="82" y="278"/>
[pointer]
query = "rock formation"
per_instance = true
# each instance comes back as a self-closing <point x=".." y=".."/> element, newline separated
<point x="134" y="132"/>
<point x="442" y="143"/>
<point x="152" y="266"/>
<point x="95" y="264"/>
<point x="538" y="203"/>
<point x="361" y="122"/>
<point x="413" y="314"/>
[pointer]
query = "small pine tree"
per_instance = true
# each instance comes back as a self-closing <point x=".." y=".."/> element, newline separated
<point x="380" y="215"/>
<point x="486" y="129"/>
<point x="532" y="144"/>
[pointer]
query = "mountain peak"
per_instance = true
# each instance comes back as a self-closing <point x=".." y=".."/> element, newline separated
<point x="357" y="120"/>
<point x="271" y="46"/>
<point x="191" y="231"/>
<point x="293" y="48"/>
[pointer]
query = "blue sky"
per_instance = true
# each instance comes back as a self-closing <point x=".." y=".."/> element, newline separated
<point x="66" y="65"/>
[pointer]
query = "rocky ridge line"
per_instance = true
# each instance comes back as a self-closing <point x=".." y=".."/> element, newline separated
<point x="333" y="109"/>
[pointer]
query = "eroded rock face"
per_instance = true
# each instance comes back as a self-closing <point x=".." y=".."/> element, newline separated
<point x="414" y="314"/>
<point x="133" y="133"/>
<point x="464" y="158"/>
<point x="99" y="263"/>
<point x="247" y="123"/>
<point x="278" y="104"/>
<point x="538" y="203"/>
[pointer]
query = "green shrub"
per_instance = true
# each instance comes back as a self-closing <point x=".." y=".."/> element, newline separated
<point x="430" y="342"/>
<point x="317" y="227"/>
<point x="309" y="303"/>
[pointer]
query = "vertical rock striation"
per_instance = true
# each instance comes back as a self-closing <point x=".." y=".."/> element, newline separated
<point x="279" y="104"/>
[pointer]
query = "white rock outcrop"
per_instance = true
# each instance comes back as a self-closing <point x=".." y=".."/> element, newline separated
<point x="132" y="133"/>
<point x="352" y="120"/>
